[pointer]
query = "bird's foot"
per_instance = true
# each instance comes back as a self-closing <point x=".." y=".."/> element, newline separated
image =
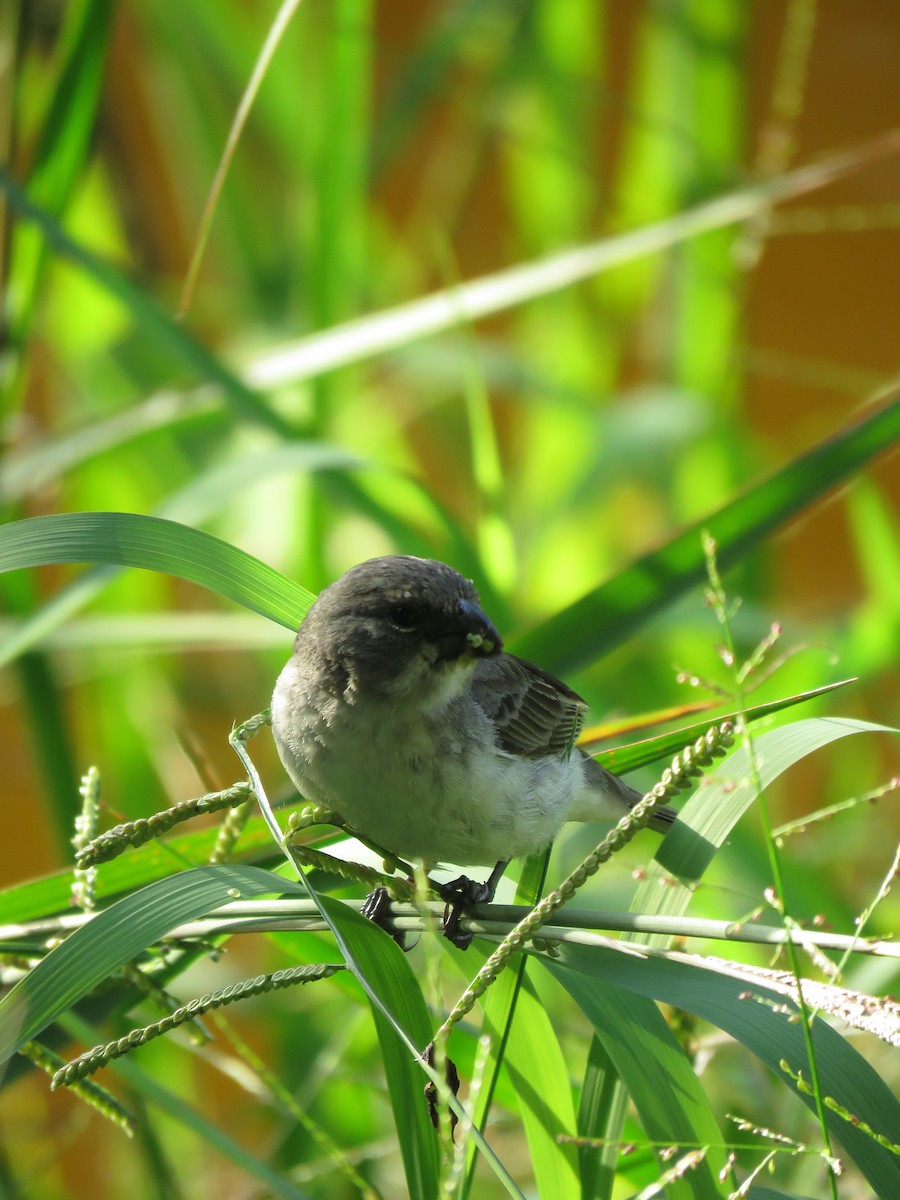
<point x="451" y="1075"/>
<point x="459" y="896"/>
<point x="377" y="908"/>
<point x="462" y="894"/>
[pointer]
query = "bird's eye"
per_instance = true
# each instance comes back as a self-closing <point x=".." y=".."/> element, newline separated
<point x="403" y="617"/>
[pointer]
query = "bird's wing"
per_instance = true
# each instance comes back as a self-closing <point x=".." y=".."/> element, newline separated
<point x="534" y="713"/>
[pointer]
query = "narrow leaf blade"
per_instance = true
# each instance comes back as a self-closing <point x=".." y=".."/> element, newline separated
<point x="607" y="616"/>
<point x="116" y="936"/>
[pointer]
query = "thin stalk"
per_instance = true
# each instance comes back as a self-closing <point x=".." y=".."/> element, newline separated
<point x="717" y="600"/>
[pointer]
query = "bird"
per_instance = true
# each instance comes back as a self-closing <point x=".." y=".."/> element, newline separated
<point x="400" y="710"/>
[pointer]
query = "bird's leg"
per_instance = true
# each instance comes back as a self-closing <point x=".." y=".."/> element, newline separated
<point x="451" y="1076"/>
<point x="493" y="879"/>
<point x="462" y="894"/>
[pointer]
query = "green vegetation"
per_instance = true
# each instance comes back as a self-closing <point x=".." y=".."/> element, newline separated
<point x="593" y="301"/>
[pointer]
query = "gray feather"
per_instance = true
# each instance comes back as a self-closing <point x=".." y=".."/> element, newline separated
<point x="534" y="714"/>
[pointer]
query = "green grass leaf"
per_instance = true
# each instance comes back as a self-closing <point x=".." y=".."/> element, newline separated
<point x="606" y="982"/>
<point x="389" y="974"/>
<point x="607" y="616"/>
<point x="713" y="810"/>
<point x="357" y="340"/>
<point x="656" y="1072"/>
<point x="537" y="1068"/>
<point x="629" y="757"/>
<point x="115" y="937"/>
<point x="154" y="544"/>
<point x="601" y="1115"/>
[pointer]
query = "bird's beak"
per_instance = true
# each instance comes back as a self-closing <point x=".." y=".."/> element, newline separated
<point x="481" y="635"/>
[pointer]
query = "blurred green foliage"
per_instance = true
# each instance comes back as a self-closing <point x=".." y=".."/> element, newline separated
<point x="541" y="443"/>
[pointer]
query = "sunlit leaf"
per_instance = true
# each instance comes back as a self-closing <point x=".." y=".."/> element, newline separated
<point x="115" y="937"/>
<point x="596" y="977"/>
<point x="154" y="544"/>
<point x="606" y="617"/>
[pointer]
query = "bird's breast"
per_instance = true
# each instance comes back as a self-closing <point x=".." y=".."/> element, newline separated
<point x="427" y="784"/>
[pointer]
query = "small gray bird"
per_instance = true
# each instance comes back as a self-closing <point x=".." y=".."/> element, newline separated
<point x="399" y="710"/>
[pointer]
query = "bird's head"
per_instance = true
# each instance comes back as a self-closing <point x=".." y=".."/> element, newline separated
<point x="399" y="626"/>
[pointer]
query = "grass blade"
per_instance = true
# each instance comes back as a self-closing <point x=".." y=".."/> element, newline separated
<point x="605" y="617"/>
<point x="388" y="972"/>
<point x="366" y="337"/>
<point x="115" y="937"/>
<point x="601" y="1115"/>
<point x="759" y="1022"/>
<point x="637" y="754"/>
<point x="153" y="544"/>
<point x="537" y="1068"/>
<point x="655" y="1070"/>
<point x="712" y="812"/>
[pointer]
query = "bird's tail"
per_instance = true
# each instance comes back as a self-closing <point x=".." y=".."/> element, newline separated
<point x="609" y="794"/>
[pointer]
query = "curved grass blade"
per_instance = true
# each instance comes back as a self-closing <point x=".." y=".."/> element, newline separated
<point x="116" y="936"/>
<point x="389" y="974"/>
<point x="154" y="544"/>
<point x="191" y="505"/>
<point x="537" y="1068"/>
<point x="756" y="1018"/>
<point x="655" y="1070"/>
<point x="197" y="501"/>
<point x="607" y="616"/>
<point x="711" y="812"/>
<point x="629" y="757"/>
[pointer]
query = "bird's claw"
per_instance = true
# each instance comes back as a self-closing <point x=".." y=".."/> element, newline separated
<point x="451" y="1076"/>
<point x="377" y="908"/>
<point x="459" y="896"/>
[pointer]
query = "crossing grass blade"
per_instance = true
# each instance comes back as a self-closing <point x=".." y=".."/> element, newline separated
<point x="154" y="544"/>
<point x="712" y="811"/>
<point x="389" y="974"/>
<point x="655" y="1070"/>
<point x="607" y="616"/>
<point x="115" y="937"/>
<point x="606" y="985"/>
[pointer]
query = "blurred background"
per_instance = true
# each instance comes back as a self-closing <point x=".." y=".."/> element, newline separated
<point x="393" y="150"/>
